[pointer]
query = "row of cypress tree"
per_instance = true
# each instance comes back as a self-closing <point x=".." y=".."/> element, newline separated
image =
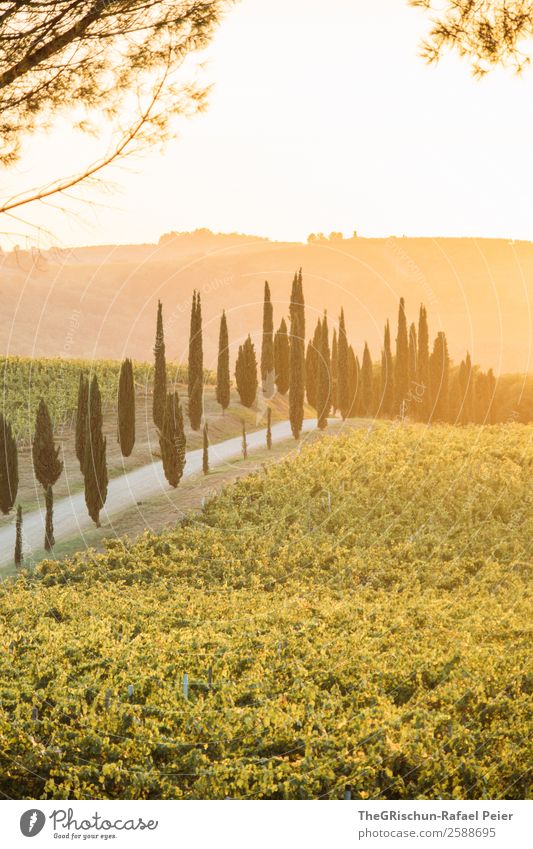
<point x="413" y="381"/>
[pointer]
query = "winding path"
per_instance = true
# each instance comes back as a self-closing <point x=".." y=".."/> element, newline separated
<point x="70" y="513"/>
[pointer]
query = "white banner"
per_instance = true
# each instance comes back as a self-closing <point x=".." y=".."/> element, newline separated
<point x="262" y="824"/>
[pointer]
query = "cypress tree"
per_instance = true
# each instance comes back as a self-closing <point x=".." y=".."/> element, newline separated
<point x="367" y="383"/>
<point x="223" y="379"/>
<point x="81" y="418"/>
<point x="281" y="358"/>
<point x="172" y="440"/>
<point x="344" y="397"/>
<point x="246" y="373"/>
<point x="358" y="396"/>
<point x="9" y="470"/>
<point x="196" y="364"/>
<point x="267" y="347"/>
<point x="95" y="465"/>
<point x="160" y="371"/>
<point x="456" y="393"/>
<point x="467" y="392"/>
<point x="423" y="388"/>
<point x="18" y="558"/>
<point x="49" y="540"/>
<point x="352" y="384"/>
<point x="46" y="463"/>
<point x="47" y="466"/>
<point x="269" y="429"/>
<point x="244" y="442"/>
<point x="401" y="365"/>
<point x="334" y="372"/>
<point x="387" y="374"/>
<point x="205" y="451"/>
<point x="324" y="377"/>
<point x="311" y="365"/>
<point x="297" y="356"/>
<point x="439" y="368"/>
<point x="413" y="354"/>
<point x="126" y="408"/>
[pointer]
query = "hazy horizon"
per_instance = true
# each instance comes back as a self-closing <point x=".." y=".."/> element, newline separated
<point x="333" y="124"/>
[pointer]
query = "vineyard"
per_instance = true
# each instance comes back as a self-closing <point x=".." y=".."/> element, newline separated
<point x="358" y="616"/>
<point x="24" y="381"/>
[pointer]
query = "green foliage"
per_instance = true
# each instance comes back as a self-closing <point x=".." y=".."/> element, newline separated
<point x="160" y="371"/>
<point x="196" y="367"/>
<point x="9" y="469"/>
<point x="367" y="384"/>
<point x="401" y="364"/>
<point x="46" y="463"/>
<point x="246" y="373"/>
<point x="365" y="608"/>
<point x="281" y="358"/>
<point x="126" y="408"/>
<point x="297" y="356"/>
<point x="267" y="347"/>
<point x="323" y="389"/>
<point x="439" y="379"/>
<point x="81" y="419"/>
<point x="223" y="378"/>
<point x="172" y="440"/>
<point x="311" y="365"/>
<point x="25" y="381"/>
<point x="95" y="463"/>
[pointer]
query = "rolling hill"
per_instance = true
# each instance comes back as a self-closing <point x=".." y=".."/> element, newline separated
<point x="101" y="301"/>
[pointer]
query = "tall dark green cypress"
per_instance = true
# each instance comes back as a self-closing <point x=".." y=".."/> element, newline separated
<point x="334" y="372"/>
<point x="18" y="556"/>
<point x="281" y="358"/>
<point x="344" y="395"/>
<point x="387" y="374"/>
<point x="267" y="347"/>
<point x="353" y="384"/>
<point x="196" y="364"/>
<point x="324" y="377"/>
<point x="205" y="450"/>
<point x="311" y="365"/>
<point x="160" y="371"/>
<point x="246" y="373"/>
<point x="401" y="365"/>
<point x="126" y="408"/>
<point x="297" y="356"/>
<point x="439" y="367"/>
<point x="95" y="464"/>
<point x="223" y="378"/>
<point x="172" y="440"/>
<point x="468" y="392"/>
<point x="367" y="383"/>
<point x="9" y="469"/>
<point x="413" y="355"/>
<point x="49" y="540"/>
<point x="423" y="388"/>
<point x="46" y="463"/>
<point x="81" y="418"/>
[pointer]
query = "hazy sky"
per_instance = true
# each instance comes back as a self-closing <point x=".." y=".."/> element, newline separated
<point x="322" y="117"/>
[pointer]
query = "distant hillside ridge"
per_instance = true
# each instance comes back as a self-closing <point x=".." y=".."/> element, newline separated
<point x="101" y="301"/>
